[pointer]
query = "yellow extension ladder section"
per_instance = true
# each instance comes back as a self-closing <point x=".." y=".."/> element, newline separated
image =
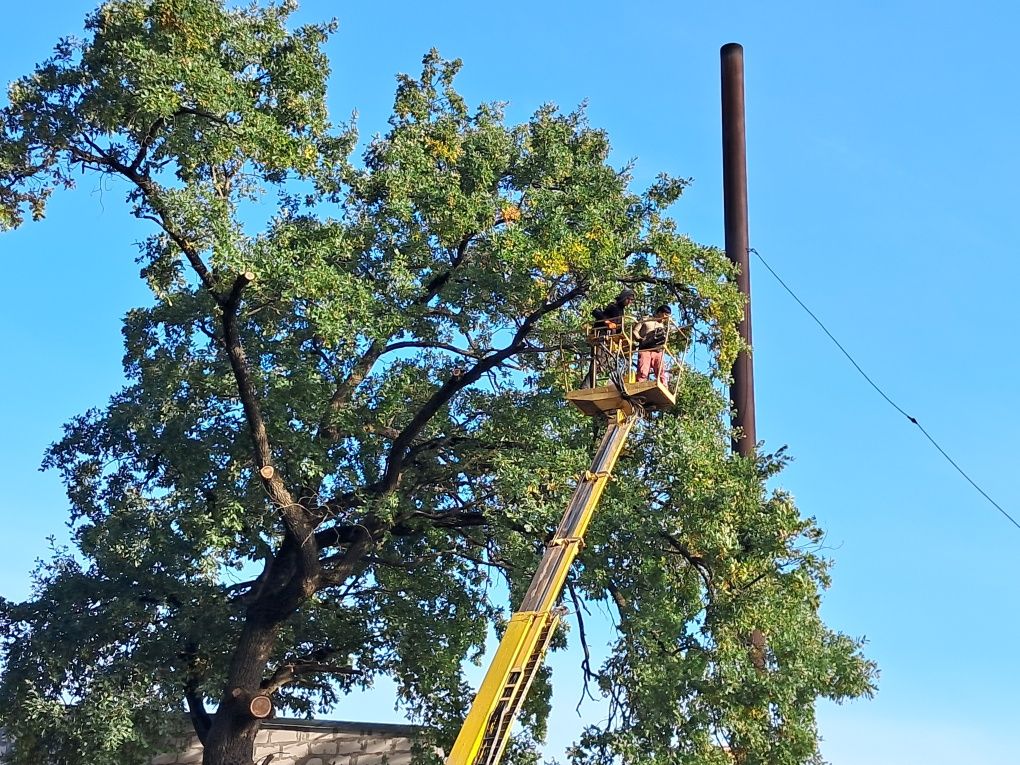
<point x="486" y="728"/>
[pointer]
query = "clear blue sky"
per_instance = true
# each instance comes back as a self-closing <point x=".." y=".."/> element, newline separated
<point x="882" y="166"/>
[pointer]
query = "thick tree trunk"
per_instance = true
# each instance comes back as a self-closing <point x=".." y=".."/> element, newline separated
<point x="231" y="739"/>
<point x="231" y="742"/>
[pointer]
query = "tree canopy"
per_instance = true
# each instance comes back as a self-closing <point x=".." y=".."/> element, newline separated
<point x="344" y="420"/>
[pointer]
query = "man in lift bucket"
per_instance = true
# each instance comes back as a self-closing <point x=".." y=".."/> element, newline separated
<point x="650" y="337"/>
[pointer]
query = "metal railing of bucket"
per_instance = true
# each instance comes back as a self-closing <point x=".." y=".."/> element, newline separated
<point x="613" y="354"/>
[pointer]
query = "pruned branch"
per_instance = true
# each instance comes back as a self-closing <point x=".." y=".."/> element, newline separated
<point x="233" y="299"/>
<point x="293" y="514"/>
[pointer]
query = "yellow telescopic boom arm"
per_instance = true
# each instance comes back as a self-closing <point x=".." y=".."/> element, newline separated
<point x="486" y="729"/>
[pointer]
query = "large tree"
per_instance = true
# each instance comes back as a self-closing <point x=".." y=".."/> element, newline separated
<point x="344" y="423"/>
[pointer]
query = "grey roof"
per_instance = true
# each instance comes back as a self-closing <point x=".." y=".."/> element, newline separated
<point x="341" y="726"/>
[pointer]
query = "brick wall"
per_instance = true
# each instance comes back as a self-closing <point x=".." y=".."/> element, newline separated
<point x="310" y="742"/>
<point x="317" y="742"/>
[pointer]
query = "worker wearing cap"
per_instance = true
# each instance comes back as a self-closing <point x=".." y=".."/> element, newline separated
<point x="611" y="317"/>
<point x="650" y="337"/>
<point x="608" y="324"/>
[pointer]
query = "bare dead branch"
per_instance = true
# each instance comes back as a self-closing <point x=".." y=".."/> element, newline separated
<point x="586" y="661"/>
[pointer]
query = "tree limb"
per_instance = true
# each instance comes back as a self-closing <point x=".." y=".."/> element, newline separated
<point x="293" y="514"/>
<point x="196" y="112"/>
<point x="328" y="431"/>
<point x="146" y="143"/>
<point x="201" y="721"/>
<point x="313" y="664"/>
<point x="586" y="661"/>
<point x="438" y="346"/>
<point x="622" y="606"/>
<point x="150" y="191"/>
<point x="341" y="535"/>
<point x="398" y="454"/>
<point x="436" y="284"/>
<point x="696" y="562"/>
<point x="364" y="365"/>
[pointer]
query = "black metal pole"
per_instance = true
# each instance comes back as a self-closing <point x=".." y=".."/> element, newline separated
<point x="737" y="241"/>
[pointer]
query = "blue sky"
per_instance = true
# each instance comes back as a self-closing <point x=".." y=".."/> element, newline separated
<point x="881" y="188"/>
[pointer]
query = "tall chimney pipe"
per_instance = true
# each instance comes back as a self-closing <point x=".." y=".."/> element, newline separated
<point x="737" y="241"/>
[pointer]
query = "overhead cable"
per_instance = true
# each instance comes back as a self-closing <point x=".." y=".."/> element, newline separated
<point x="882" y="393"/>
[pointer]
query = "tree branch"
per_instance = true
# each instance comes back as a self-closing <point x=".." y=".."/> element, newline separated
<point x="622" y="606"/>
<point x="150" y="191"/>
<point x="352" y="561"/>
<point x="201" y="721"/>
<point x="437" y="346"/>
<point x="586" y="661"/>
<point x="328" y="431"/>
<point x="341" y="535"/>
<point x="398" y="455"/>
<point x="293" y="514"/>
<point x="286" y="673"/>
<point x="696" y="562"/>
<point x="196" y="112"/>
<point x="146" y="143"/>
<point x="250" y="400"/>
<point x="436" y="284"/>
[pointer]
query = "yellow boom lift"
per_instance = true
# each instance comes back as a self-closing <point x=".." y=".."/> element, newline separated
<point x="613" y="392"/>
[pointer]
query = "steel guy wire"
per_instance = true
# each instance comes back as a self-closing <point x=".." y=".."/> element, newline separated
<point x="882" y="393"/>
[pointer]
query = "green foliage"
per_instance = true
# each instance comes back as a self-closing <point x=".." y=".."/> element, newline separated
<point x="388" y="343"/>
<point x="720" y="558"/>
